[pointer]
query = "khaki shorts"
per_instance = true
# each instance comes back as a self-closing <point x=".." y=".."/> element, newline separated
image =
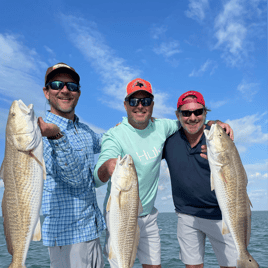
<point x="82" y="255"/>
<point x="191" y="234"/>
<point x="149" y="249"/>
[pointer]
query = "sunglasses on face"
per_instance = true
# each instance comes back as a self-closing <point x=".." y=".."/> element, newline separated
<point x="187" y="113"/>
<point x="144" y="101"/>
<point x="57" y="85"/>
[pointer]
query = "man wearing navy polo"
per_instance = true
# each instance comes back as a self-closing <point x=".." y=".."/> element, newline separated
<point x="196" y="205"/>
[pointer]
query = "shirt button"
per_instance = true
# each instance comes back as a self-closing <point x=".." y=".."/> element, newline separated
<point x="65" y="164"/>
<point x="56" y="144"/>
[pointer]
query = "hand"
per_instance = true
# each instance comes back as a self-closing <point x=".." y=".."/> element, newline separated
<point x="106" y="170"/>
<point x="204" y="150"/>
<point x="227" y="129"/>
<point x="47" y="129"/>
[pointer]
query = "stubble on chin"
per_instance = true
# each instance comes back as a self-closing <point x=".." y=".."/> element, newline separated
<point x="185" y="126"/>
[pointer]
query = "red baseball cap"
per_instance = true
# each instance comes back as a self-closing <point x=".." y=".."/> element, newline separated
<point x="138" y="84"/>
<point x="61" y="68"/>
<point x="199" y="98"/>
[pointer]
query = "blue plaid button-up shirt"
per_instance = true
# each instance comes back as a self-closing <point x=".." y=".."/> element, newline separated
<point x="69" y="202"/>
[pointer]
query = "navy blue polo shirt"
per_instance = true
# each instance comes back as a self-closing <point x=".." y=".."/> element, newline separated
<point x="190" y="177"/>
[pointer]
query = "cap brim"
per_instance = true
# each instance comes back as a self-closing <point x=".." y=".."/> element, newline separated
<point x="129" y="95"/>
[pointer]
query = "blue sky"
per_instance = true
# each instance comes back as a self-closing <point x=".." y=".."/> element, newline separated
<point x="218" y="48"/>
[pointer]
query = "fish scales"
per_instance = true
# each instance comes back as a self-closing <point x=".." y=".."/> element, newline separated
<point x="229" y="180"/>
<point x="23" y="181"/>
<point x="124" y="206"/>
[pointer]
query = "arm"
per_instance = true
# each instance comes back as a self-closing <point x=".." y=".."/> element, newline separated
<point x="110" y="149"/>
<point x="62" y="161"/>
<point x="225" y="126"/>
<point x="106" y="170"/>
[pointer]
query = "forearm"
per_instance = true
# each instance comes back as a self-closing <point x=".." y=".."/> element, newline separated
<point x="103" y="172"/>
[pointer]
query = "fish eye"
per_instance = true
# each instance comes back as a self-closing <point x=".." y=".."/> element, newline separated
<point x="13" y="114"/>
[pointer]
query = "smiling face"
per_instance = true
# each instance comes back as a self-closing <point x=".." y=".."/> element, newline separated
<point x="62" y="101"/>
<point x="139" y="116"/>
<point x="193" y="124"/>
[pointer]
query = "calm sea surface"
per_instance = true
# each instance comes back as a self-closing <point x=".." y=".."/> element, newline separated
<point x="167" y="222"/>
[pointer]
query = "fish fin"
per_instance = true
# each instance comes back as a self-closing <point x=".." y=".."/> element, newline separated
<point x="222" y="175"/>
<point x="108" y="204"/>
<point x="37" y="231"/>
<point x="111" y="254"/>
<point x="212" y="182"/>
<point x="249" y="202"/>
<point x="248" y="223"/>
<point x="44" y="169"/>
<point x="41" y="164"/>
<point x="2" y="171"/>
<point x="36" y="159"/>
<point x="6" y="226"/>
<point x="140" y="209"/>
<point x="135" y="247"/>
<point x="225" y="229"/>
<point x="118" y="199"/>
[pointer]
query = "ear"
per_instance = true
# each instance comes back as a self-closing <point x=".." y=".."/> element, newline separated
<point x="125" y="105"/>
<point x="46" y="92"/>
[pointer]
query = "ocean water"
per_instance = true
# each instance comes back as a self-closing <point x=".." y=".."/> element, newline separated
<point x="167" y="222"/>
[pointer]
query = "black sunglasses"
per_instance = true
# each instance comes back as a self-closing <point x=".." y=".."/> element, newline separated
<point x="187" y="113"/>
<point x="57" y="85"/>
<point x="135" y="101"/>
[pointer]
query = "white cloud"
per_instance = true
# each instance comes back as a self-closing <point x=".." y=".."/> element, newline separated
<point x="168" y="49"/>
<point x="23" y="64"/>
<point x="257" y="167"/>
<point x="258" y="195"/>
<point x="156" y="32"/>
<point x="247" y="131"/>
<point x="232" y="29"/>
<point x="196" y="9"/>
<point x="166" y="197"/>
<point x="1" y="184"/>
<point x="259" y="176"/>
<point x="217" y="104"/>
<point x="161" y="187"/>
<point x="248" y="90"/>
<point x="113" y="70"/>
<point x="208" y="65"/>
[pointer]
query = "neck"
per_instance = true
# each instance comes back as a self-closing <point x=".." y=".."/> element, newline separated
<point x="69" y="116"/>
<point x="194" y="138"/>
<point x="139" y="126"/>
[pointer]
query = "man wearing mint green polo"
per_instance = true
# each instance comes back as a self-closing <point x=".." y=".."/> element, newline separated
<point x="143" y="139"/>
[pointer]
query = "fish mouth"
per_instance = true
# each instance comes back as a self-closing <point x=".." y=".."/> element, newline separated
<point x="127" y="160"/>
<point x="209" y="133"/>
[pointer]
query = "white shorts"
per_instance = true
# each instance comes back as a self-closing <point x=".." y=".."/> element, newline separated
<point x="191" y="234"/>
<point x="83" y="255"/>
<point x="149" y="248"/>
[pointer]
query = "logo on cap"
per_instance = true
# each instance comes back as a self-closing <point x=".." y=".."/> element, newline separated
<point x="59" y="65"/>
<point x="139" y="84"/>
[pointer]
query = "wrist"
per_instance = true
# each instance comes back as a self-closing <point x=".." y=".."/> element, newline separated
<point x="56" y="137"/>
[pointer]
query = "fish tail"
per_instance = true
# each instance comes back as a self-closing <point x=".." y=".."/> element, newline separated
<point x="248" y="262"/>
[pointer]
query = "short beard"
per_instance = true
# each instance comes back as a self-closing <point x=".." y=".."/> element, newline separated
<point x="185" y="128"/>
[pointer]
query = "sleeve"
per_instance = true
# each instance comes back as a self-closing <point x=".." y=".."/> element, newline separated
<point x="97" y="138"/>
<point x="110" y="148"/>
<point x="62" y="161"/>
<point x="171" y="126"/>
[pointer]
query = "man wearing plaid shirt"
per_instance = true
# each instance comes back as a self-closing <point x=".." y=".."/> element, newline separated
<point x="73" y="222"/>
